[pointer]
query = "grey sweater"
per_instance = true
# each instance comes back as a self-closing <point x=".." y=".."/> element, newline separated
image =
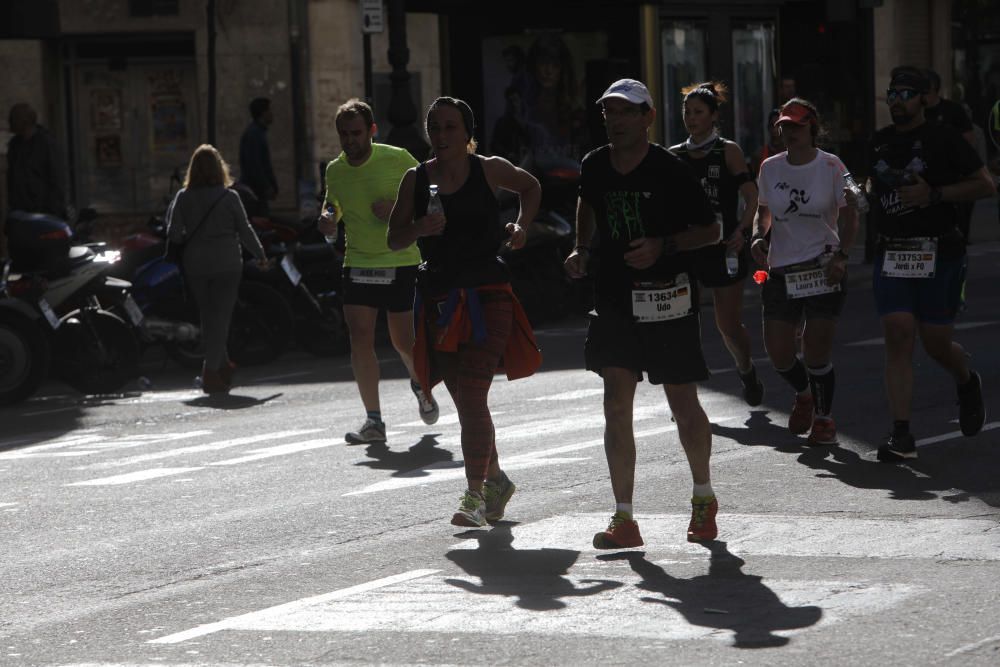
<point x="215" y="245"/>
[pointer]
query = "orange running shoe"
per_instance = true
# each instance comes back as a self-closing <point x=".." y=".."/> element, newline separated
<point x="702" y="527"/>
<point x="622" y="533"/>
<point x="824" y="432"/>
<point x="802" y="414"/>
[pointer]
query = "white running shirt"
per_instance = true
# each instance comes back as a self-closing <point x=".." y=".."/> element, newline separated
<point x="805" y="202"/>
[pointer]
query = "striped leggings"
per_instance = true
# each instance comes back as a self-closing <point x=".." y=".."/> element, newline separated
<point x="468" y="374"/>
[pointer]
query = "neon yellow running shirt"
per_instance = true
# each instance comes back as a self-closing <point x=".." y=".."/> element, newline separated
<point x="353" y="190"/>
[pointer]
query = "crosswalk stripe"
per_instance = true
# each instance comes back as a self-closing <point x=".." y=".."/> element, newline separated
<point x="100" y="442"/>
<point x="290" y="607"/>
<point x="138" y="476"/>
<point x="279" y="450"/>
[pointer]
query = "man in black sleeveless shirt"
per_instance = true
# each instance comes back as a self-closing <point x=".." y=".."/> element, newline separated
<point x="919" y="171"/>
<point x="647" y="208"/>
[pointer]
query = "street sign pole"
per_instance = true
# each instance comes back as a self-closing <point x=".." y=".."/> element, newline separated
<point x="372" y="21"/>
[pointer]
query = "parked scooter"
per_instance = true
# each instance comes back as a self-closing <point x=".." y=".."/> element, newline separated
<point x="94" y="350"/>
<point x="25" y="353"/>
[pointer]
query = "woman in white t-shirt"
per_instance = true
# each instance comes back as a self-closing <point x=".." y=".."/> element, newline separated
<point x="800" y="204"/>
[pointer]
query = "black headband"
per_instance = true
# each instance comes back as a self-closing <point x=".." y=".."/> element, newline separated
<point x="910" y="78"/>
<point x="468" y="119"/>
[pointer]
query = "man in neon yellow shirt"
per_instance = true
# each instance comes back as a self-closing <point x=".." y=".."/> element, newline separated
<point x="361" y="186"/>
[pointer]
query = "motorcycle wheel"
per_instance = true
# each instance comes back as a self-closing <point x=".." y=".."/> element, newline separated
<point x="262" y="325"/>
<point x="96" y="352"/>
<point x="24" y="357"/>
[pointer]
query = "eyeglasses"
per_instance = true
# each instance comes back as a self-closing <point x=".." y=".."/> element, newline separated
<point x="905" y="94"/>
<point x="625" y="111"/>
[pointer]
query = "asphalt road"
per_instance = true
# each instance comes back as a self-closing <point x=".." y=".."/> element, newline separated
<point x="162" y="527"/>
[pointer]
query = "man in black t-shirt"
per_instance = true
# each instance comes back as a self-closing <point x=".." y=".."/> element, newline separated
<point x="919" y="171"/>
<point x="647" y="209"/>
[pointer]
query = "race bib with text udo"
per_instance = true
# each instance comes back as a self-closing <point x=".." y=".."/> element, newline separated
<point x="662" y="301"/>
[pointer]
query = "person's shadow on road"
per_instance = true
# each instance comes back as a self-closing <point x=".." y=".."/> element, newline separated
<point x="536" y="578"/>
<point x="940" y="470"/>
<point x="410" y="462"/>
<point x="229" y="401"/>
<point x="760" y="431"/>
<point x="724" y="599"/>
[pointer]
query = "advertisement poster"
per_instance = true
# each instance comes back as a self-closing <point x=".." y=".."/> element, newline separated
<point x="169" y="123"/>
<point x="105" y="110"/>
<point x="108" y="150"/>
<point x="535" y="111"/>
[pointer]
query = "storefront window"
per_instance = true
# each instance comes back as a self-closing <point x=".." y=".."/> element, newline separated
<point x="684" y="54"/>
<point x="753" y="83"/>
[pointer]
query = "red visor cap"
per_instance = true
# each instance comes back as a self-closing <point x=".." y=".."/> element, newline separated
<point x="797" y="114"/>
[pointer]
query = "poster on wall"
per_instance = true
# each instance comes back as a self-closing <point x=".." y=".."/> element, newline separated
<point x="535" y="111"/>
<point x="105" y="110"/>
<point x="108" y="150"/>
<point x="169" y="122"/>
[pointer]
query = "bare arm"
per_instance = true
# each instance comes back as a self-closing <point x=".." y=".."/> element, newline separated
<point x="761" y="225"/>
<point x="736" y="163"/>
<point x="977" y="185"/>
<point x="502" y="174"/>
<point x="576" y="263"/>
<point x="403" y="229"/>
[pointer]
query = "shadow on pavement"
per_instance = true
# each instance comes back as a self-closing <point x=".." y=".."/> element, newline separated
<point x="724" y="599"/>
<point x="229" y="401"/>
<point x="759" y="431"/>
<point x="536" y="578"/>
<point x="409" y="463"/>
<point x="949" y="472"/>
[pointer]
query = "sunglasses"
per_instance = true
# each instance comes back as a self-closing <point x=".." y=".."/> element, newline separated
<point x="905" y="94"/>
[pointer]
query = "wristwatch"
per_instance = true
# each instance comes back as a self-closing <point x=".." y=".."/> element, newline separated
<point x="935" y="196"/>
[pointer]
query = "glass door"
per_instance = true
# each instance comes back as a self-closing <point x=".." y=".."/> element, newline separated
<point x="753" y="83"/>
<point x="684" y="53"/>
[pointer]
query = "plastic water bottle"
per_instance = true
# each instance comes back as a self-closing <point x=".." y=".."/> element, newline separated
<point x="732" y="263"/>
<point x="859" y="194"/>
<point x="331" y="213"/>
<point x="434" y="204"/>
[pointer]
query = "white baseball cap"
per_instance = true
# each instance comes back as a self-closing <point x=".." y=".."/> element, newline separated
<point x="629" y="90"/>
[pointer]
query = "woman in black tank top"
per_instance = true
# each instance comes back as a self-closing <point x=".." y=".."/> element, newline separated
<point x="720" y="166"/>
<point x="467" y="315"/>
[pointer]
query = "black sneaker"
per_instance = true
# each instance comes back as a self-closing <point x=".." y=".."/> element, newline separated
<point x="753" y="388"/>
<point x="971" y="410"/>
<point x="898" y="448"/>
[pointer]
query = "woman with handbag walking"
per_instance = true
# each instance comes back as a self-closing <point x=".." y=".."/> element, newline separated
<point x="206" y="223"/>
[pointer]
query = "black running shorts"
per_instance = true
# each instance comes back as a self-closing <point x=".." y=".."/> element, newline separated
<point x="668" y="352"/>
<point x="368" y="287"/>
<point x="776" y="305"/>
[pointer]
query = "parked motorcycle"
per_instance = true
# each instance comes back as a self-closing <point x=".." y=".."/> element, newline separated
<point x="25" y="352"/>
<point x="93" y="349"/>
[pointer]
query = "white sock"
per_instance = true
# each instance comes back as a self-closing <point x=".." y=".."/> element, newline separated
<point x="624" y="507"/>
<point x="703" y="490"/>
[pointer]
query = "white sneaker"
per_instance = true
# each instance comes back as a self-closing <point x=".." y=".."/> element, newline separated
<point x="471" y="510"/>
<point x="370" y="431"/>
<point x="429" y="410"/>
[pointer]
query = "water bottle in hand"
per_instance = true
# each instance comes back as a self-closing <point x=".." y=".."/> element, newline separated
<point x="859" y="194"/>
<point x="434" y="204"/>
<point x="330" y="214"/>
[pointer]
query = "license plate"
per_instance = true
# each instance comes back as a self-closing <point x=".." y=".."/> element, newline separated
<point x="50" y="315"/>
<point x="133" y="310"/>
<point x="292" y="271"/>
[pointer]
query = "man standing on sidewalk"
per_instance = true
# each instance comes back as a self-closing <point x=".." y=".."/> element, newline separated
<point x="920" y="171"/>
<point x="256" y="171"/>
<point x="361" y="186"/>
<point x="646" y="207"/>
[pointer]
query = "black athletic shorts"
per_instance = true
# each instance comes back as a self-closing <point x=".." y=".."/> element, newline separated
<point x="387" y="289"/>
<point x="668" y="352"/>
<point x="775" y="304"/>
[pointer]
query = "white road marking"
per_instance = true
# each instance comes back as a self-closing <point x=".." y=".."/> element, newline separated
<point x="972" y="647"/>
<point x="989" y="426"/>
<point x="7" y="504"/>
<point x="280" y="450"/>
<point x="98" y="441"/>
<point x="272" y="378"/>
<point x="195" y="449"/>
<point x="444" y="420"/>
<point x="779" y="535"/>
<point x="80" y="439"/>
<point x="958" y="327"/>
<point x="265" y="615"/>
<point x="139" y="476"/>
<point x="571" y="395"/>
<point x="450" y="470"/>
<point x="52" y="411"/>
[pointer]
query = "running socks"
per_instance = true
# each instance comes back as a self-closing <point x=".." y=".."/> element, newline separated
<point x="703" y="490"/>
<point x="374" y="415"/>
<point x="796" y="376"/>
<point x="822" y="381"/>
<point x="624" y="507"/>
